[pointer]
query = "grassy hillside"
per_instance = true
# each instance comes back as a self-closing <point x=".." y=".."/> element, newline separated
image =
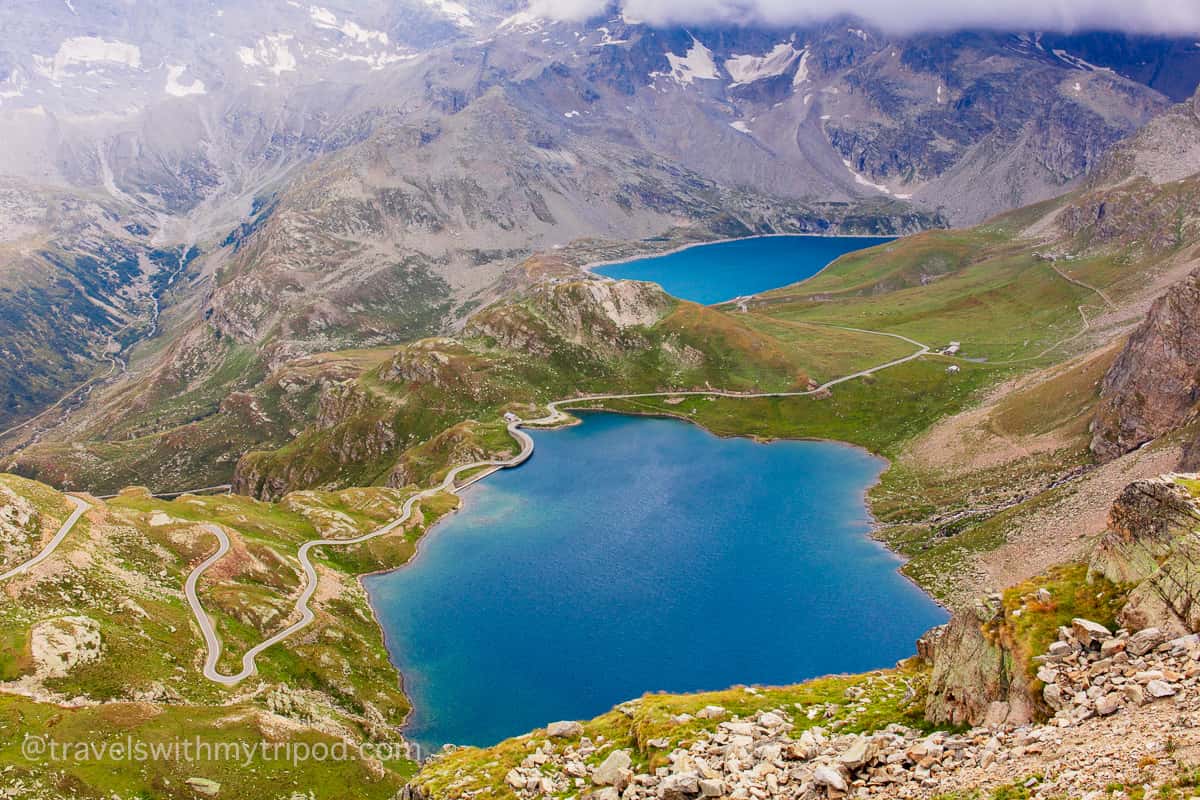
<point x="120" y="573"/>
<point x="847" y="703"/>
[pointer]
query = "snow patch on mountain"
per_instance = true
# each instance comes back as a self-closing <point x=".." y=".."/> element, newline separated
<point x="324" y="18"/>
<point x="457" y="12"/>
<point x="746" y="69"/>
<point x="270" y="53"/>
<point x="85" y="50"/>
<point x="608" y="38"/>
<point x="13" y="86"/>
<point x="373" y="61"/>
<point x="863" y="181"/>
<point x="696" y="64"/>
<point x="526" y="19"/>
<point x="1079" y="63"/>
<point x="176" y="88"/>
<point x="801" y="76"/>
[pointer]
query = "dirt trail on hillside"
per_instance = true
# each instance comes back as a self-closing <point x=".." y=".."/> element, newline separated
<point x="1065" y="528"/>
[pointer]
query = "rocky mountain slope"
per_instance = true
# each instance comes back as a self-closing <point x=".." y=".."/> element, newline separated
<point x="992" y="484"/>
<point x="346" y="175"/>
<point x="1151" y="389"/>
<point x="78" y="283"/>
<point x="1059" y="278"/>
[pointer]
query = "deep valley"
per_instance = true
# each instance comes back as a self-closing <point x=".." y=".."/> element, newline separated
<point x="277" y="284"/>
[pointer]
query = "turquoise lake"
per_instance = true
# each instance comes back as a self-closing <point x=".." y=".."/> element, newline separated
<point x="634" y="554"/>
<point x="717" y="272"/>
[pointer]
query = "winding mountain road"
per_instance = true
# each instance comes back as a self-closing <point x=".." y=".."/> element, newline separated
<point x="48" y="550"/>
<point x="449" y="484"/>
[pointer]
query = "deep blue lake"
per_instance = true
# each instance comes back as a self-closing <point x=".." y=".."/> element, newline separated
<point x="633" y="554"/>
<point x="713" y="273"/>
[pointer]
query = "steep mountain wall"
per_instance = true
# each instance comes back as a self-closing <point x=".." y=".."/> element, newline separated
<point x="1154" y="385"/>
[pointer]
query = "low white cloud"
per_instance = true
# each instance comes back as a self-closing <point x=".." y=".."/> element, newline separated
<point x="571" y="10"/>
<point x="1177" y="17"/>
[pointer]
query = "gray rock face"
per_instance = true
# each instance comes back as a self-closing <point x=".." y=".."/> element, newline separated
<point x="860" y="752"/>
<point x="1153" y="386"/>
<point x="1108" y="704"/>
<point x="1053" y="695"/>
<point x="970" y="672"/>
<point x="680" y="786"/>
<point x="1152" y="542"/>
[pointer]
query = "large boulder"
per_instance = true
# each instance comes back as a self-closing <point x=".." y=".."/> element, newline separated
<point x="1090" y="635"/>
<point x="610" y="770"/>
<point x="1170" y="598"/>
<point x="831" y="778"/>
<point x="861" y="752"/>
<point x="566" y="729"/>
<point x="1145" y="640"/>
<point x="972" y="671"/>
<point x="679" y="787"/>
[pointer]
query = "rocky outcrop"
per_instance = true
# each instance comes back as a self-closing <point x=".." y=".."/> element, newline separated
<point x="354" y="428"/>
<point x="1167" y="148"/>
<point x="340" y="402"/>
<point x="1152" y="543"/>
<point x="1189" y="460"/>
<point x="975" y="677"/>
<point x="1170" y="597"/>
<point x="578" y="306"/>
<point x="424" y="362"/>
<point x="59" y="645"/>
<point x="18" y="520"/>
<point x="1143" y="523"/>
<point x="1136" y="215"/>
<point x="604" y="316"/>
<point x="450" y="448"/>
<point x="779" y="753"/>
<point x="1154" y="385"/>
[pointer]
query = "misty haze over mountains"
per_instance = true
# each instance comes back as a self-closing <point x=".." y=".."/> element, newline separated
<point x="280" y="279"/>
<point x="183" y="169"/>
